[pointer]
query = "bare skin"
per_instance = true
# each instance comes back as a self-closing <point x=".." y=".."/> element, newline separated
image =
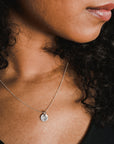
<point x="35" y="84"/>
<point x="33" y="76"/>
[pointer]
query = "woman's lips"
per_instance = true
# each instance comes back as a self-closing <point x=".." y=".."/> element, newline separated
<point x="104" y="15"/>
<point x="102" y="12"/>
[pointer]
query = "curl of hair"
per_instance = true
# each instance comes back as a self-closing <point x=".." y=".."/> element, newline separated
<point x="92" y="61"/>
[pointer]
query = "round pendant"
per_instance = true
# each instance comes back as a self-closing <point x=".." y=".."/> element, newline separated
<point x="44" y="117"/>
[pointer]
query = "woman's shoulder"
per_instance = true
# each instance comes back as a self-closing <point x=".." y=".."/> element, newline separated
<point x="99" y="135"/>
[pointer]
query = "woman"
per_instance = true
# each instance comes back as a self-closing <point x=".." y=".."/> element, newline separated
<point x="56" y="78"/>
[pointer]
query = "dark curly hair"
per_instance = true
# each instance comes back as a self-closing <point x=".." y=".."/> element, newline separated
<point x="93" y="62"/>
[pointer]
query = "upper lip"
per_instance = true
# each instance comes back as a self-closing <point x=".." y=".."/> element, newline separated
<point x="108" y="7"/>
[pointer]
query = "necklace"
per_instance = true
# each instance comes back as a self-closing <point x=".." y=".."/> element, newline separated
<point x="44" y="115"/>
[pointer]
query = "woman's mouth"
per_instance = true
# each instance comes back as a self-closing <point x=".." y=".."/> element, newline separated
<point x="102" y="12"/>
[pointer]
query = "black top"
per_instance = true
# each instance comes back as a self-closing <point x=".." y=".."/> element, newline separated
<point x="1" y="142"/>
<point x="97" y="135"/>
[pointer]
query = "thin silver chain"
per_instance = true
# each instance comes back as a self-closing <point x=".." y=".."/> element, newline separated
<point x="50" y="101"/>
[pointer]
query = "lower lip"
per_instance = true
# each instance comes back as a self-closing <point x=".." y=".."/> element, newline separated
<point x="104" y="15"/>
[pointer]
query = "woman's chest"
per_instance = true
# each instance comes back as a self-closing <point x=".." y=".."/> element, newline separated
<point x="61" y="128"/>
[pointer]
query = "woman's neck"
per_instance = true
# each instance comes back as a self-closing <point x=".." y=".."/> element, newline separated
<point x="27" y="58"/>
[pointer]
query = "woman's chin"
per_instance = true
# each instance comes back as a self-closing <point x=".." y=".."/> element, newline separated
<point x="83" y="37"/>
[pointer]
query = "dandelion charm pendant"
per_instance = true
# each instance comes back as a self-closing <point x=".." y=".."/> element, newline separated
<point x="44" y="117"/>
